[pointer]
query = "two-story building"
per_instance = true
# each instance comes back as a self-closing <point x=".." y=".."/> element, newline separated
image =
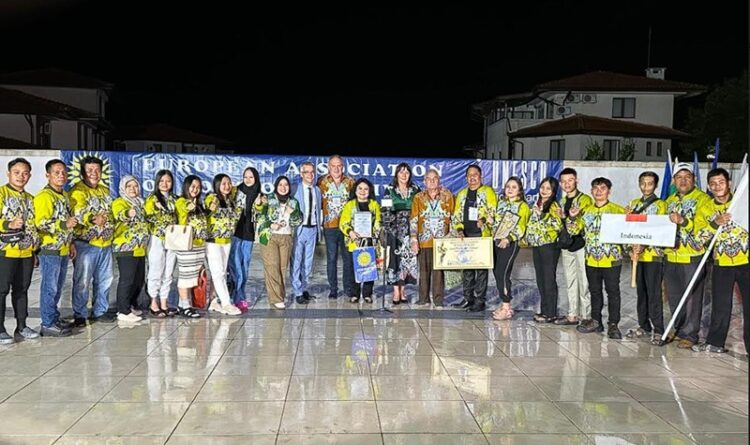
<point x="54" y="108"/>
<point x="166" y="139"/>
<point x="612" y="113"/>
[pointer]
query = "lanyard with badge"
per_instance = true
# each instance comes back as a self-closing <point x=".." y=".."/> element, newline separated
<point x="435" y="219"/>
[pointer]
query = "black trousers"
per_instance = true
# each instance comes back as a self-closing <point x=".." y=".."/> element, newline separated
<point x="504" y="259"/>
<point x="677" y="276"/>
<point x="722" y="290"/>
<point x="365" y="289"/>
<point x="132" y="277"/>
<point x="545" y="265"/>
<point x="15" y="277"/>
<point x="475" y="285"/>
<point x="649" y="304"/>
<point x="610" y="277"/>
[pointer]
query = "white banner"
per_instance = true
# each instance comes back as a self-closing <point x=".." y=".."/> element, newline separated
<point x="647" y="230"/>
<point x="738" y="207"/>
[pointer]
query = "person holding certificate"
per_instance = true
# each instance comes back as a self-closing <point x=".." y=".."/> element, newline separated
<point x="360" y="224"/>
<point x="542" y="233"/>
<point x="603" y="260"/>
<point x="508" y="226"/>
<point x="278" y="216"/>
<point x="649" y="265"/>
<point x="473" y="205"/>
<point x="730" y="262"/>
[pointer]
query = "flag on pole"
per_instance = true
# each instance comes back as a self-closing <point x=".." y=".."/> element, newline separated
<point x="716" y="155"/>
<point x="666" y="183"/>
<point x="697" y="170"/>
<point x="743" y="168"/>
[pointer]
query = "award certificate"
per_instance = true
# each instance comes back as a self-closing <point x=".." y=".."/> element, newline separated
<point x="362" y="224"/>
<point x="467" y="253"/>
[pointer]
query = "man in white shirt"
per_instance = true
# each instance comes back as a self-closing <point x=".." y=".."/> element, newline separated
<point x="308" y="196"/>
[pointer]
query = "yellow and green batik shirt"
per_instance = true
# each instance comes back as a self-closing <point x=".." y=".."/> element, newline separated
<point x="198" y="221"/>
<point x="598" y="254"/>
<point x="687" y="244"/>
<point x="544" y="228"/>
<point x="517" y="210"/>
<point x="347" y="217"/>
<point x="649" y="254"/>
<point x="88" y="202"/>
<point x="486" y="203"/>
<point x="131" y="233"/>
<point x="731" y="248"/>
<point x="222" y="222"/>
<point x="51" y="212"/>
<point x="158" y="216"/>
<point x="14" y="204"/>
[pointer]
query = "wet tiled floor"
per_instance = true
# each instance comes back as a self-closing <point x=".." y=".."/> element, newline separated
<point x="330" y="374"/>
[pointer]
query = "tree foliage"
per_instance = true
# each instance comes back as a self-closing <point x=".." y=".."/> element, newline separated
<point x="724" y="115"/>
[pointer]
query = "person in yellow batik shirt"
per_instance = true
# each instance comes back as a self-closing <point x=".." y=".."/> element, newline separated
<point x="129" y="247"/>
<point x="603" y="260"/>
<point x="18" y="239"/>
<point x="54" y="221"/>
<point x="161" y="212"/>
<point x="92" y="266"/>
<point x="731" y="264"/>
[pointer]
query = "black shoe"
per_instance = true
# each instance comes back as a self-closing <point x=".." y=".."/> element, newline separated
<point x="104" y="318"/>
<point x="300" y="299"/>
<point x="65" y="324"/>
<point x="463" y="304"/>
<point x="476" y="308"/>
<point x="307" y="296"/>
<point x="56" y="330"/>
<point x="79" y="322"/>
<point x="422" y="303"/>
<point x="589" y="326"/>
<point x="613" y="331"/>
<point x="332" y="296"/>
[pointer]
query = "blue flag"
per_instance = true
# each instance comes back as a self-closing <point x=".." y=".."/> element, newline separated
<point x="666" y="183"/>
<point x="697" y="171"/>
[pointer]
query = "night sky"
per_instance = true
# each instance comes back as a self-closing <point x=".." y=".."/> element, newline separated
<point x="385" y="80"/>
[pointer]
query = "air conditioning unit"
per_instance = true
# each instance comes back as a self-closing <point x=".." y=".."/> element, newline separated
<point x="45" y="128"/>
<point x="150" y="148"/>
<point x="588" y="98"/>
<point x="563" y="110"/>
<point x="573" y="98"/>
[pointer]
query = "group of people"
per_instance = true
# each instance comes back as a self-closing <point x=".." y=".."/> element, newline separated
<point x="86" y="226"/>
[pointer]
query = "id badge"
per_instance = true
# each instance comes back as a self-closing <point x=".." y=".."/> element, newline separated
<point x="473" y="214"/>
<point x="436" y="222"/>
<point x="336" y="201"/>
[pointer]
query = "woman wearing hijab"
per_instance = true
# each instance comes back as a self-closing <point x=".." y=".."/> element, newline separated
<point x="222" y="220"/>
<point x="248" y="195"/>
<point x="278" y="215"/>
<point x="160" y="213"/>
<point x="129" y="248"/>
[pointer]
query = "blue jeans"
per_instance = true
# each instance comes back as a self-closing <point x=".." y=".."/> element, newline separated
<point x="92" y="265"/>
<point x="302" y="259"/>
<point x="53" y="268"/>
<point x="335" y="241"/>
<point x="239" y="267"/>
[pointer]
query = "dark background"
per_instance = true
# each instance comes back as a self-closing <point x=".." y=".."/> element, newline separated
<point x="357" y="80"/>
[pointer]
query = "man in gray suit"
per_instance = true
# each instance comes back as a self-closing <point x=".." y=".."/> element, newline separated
<point x="308" y="196"/>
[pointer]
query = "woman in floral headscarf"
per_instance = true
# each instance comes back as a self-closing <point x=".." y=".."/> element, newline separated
<point x="129" y="248"/>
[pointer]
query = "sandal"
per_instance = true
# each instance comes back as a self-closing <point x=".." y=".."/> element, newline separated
<point x="637" y="333"/>
<point x="504" y="313"/>
<point x="189" y="313"/>
<point x="540" y="318"/>
<point x="159" y="313"/>
<point x="171" y="311"/>
<point x="396" y="302"/>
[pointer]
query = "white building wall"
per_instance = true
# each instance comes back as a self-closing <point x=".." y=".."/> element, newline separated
<point x="64" y="135"/>
<point x="15" y="126"/>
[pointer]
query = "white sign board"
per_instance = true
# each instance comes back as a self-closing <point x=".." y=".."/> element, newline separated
<point x="646" y="230"/>
<point x="738" y="207"/>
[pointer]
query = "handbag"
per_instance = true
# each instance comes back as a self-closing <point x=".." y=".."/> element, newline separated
<point x="365" y="264"/>
<point x="178" y="237"/>
<point x="200" y="292"/>
<point x="571" y="243"/>
<point x="12" y="237"/>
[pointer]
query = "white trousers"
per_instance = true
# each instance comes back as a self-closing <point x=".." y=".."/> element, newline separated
<point x="218" y="260"/>
<point x="574" y="268"/>
<point x="160" y="269"/>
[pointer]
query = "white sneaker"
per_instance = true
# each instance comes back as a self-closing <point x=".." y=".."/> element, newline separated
<point x="230" y="309"/>
<point x="128" y="318"/>
<point x="135" y="311"/>
<point x="279" y="305"/>
<point x="215" y="305"/>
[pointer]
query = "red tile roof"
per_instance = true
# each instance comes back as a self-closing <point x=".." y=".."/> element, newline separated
<point x="17" y="102"/>
<point x="53" y="77"/>
<point x="584" y="124"/>
<point x="163" y="132"/>
<point x="609" y="81"/>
